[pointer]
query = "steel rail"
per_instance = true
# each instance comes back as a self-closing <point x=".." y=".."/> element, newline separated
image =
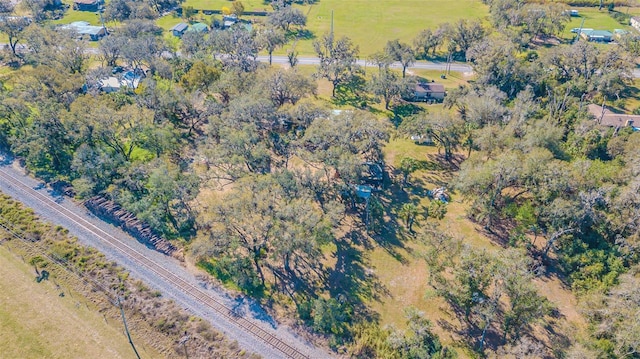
<point x="161" y="272"/>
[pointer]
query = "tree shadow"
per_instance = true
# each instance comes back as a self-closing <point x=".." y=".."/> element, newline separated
<point x="404" y="110"/>
<point x="450" y="164"/>
<point x="352" y="93"/>
<point x="498" y="231"/>
<point x="302" y="34"/>
<point x="353" y="278"/>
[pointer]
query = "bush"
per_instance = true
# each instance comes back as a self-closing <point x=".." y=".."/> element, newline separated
<point x="622" y="18"/>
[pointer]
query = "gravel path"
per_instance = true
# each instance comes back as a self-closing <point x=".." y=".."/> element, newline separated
<point x="242" y="306"/>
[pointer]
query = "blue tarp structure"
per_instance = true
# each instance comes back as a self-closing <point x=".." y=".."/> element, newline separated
<point x="363" y="191"/>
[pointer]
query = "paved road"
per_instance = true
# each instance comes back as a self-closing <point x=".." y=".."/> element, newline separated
<point x="95" y="233"/>
<point x="423" y="65"/>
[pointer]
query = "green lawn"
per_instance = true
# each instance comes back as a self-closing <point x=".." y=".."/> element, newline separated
<point x="72" y="15"/>
<point x="593" y="19"/>
<point x="369" y="23"/>
<point x="249" y="5"/>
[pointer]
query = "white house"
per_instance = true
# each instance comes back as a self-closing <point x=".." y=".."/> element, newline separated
<point x="129" y="80"/>
<point x="635" y="22"/>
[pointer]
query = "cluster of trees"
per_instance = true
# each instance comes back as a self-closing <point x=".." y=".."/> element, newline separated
<point x="210" y="118"/>
<point x="540" y="167"/>
<point x="456" y="39"/>
<point x="278" y="169"/>
<point x="525" y="22"/>
<point x="121" y="10"/>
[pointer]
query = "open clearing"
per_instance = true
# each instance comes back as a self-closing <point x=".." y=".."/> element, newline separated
<point x="593" y="19"/>
<point x="369" y="23"/>
<point x="35" y="322"/>
<point x="404" y="275"/>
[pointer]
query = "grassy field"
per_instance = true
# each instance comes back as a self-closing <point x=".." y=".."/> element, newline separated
<point x="594" y="19"/>
<point x="36" y="322"/>
<point x="369" y="23"/>
<point x="72" y="15"/>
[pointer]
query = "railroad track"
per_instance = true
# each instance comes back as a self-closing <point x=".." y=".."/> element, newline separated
<point x="137" y="257"/>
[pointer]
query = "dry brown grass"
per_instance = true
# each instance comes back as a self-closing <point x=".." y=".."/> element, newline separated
<point x="35" y="321"/>
<point x="156" y="323"/>
<point x="407" y="280"/>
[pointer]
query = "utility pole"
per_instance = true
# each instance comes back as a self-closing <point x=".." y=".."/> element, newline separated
<point x="183" y="342"/>
<point x="579" y="31"/>
<point x="126" y="329"/>
<point x="332" y="23"/>
<point x="102" y="20"/>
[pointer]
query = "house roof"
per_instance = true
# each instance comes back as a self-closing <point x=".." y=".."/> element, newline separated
<point x="610" y="119"/>
<point x="232" y="17"/>
<point x="129" y="80"/>
<point x="429" y="87"/>
<point x="180" y="27"/>
<point x="112" y="82"/>
<point x="84" y="28"/>
<point x="86" y="2"/>
<point x="199" y="27"/>
<point x="597" y="33"/>
<point x="91" y="30"/>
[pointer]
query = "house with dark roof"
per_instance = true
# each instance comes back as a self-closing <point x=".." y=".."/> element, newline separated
<point x="87" y="5"/>
<point x="429" y="91"/>
<point x="229" y="20"/>
<point x="179" y="29"/>
<point x="605" y="117"/>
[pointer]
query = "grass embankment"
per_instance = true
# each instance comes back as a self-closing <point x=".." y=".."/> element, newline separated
<point x="36" y="320"/>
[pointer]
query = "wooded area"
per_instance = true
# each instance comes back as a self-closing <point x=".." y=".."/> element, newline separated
<point x="275" y="191"/>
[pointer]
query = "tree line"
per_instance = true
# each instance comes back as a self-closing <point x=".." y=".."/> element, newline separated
<point x="259" y="179"/>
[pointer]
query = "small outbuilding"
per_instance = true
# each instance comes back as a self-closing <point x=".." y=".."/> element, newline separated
<point x="179" y="29"/>
<point x="429" y="91"/>
<point x="635" y="22"/>
<point x="229" y="20"/>
<point x="620" y="33"/>
<point x="87" y="5"/>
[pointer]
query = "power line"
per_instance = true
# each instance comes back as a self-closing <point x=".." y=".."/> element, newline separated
<point x="64" y="263"/>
